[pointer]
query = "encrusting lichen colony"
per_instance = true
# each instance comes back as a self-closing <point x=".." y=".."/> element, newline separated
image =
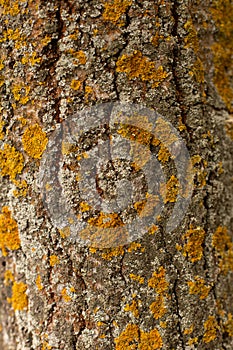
<point x="145" y="294"/>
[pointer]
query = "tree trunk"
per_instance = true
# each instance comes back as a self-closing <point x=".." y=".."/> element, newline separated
<point x="102" y="287"/>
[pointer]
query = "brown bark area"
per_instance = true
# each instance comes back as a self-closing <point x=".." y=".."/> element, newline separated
<point x="169" y="290"/>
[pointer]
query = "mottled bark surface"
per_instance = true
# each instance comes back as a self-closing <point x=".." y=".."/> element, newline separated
<point x="164" y="291"/>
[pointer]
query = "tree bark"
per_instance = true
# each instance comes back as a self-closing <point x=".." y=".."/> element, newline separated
<point x="164" y="290"/>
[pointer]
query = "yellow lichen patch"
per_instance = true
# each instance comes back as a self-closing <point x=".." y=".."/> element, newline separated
<point x="80" y="55"/>
<point x="135" y="133"/>
<point x="21" y="92"/>
<point x="128" y="339"/>
<point x="76" y="84"/>
<point x="228" y="326"/>
<point x="1" y="129"/>
<point x="112" y="252"/>
<point x="193" y="249"/>
<point x="223" y="245"/>
<point x="9" y="234"/>
<point x="19" y="299"/>
<point x="137" y="278"/>
<point x="105" y="220"/>
<point x="153" y="229"/>
<point x="192" y="341"/>
<point x="163" y="154"/>
<point x="11" y="162"/>
<point x="189" y="330"/>
<point x="15" y="36"/>
<point x="30" y="59"/>
<point x="34" y="141"/>
<point x="222" y="50"/>
<point x="134" y="246"/>
<point x="133" y="307"/>
<point x="135" y="338"/>
<point x="156" y="38"/>
<point x="198" y="287"/>
<point x="65" y="295"/>
<point x="46" y="346"/>
<point x="158" y="281"/>
<point x="22" y="188"/>
<point x="88" y="91"/>
<point x="170" y="190"/>
<point x="158" y="308"/>
<point x="211" y="327"/>
<point x="151" y="340"/>
<point x="54" y="260"/>
<point x="138" y="66"/>
<point x="8" y="277"/>
<point x="113" y="10"/>
<point x="38" y="283"/>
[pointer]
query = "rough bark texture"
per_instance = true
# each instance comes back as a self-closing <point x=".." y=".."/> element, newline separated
<point x="168" y="291"/>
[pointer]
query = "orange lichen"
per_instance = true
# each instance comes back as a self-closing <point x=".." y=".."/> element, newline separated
<point x="135" y="338"/>
<point x="151" y="340"/>
<point x="138" y="66"/>
<point x="163" y="154"/>
<point x="30" y="59"/>
<point x="211" y="327"/>
<point x="199" y="287"/>
<point x="11" y="162"/>
<point x="158" y="308"/>
<point x="112" y="252"/>
<point x="34" y="141"/>
<point x="228" y="326"/>
<point x="65" y="296"/>
<point x="76" y="84"/>
<point x="19" y="299"/>
<point x="21" y="92"/>
<point x="223" y="245"/>
<point x="137" y="278"/>
<point x="1" y="129"/>
<point x="46" y="346"/>
<point x="222" y="50"/>
<point x="8" y="277"/>
<point x="54" y="260"/>
<point x="88" y="91"/>
<point x="128" y="339"/>
<point x="170" y="190"/>
<point x="193" y="249"/>
<point x="113" y="10"/>
<point x="38" y="283"/>
<point x="189" y="330"/>
<point x="133" y="307"/>
<point x="156" y="39"/>
<point x="153" y="229"/>
<point x="135" y="246"/>
<point x="158" y="281"/>
<point x="9" y="234"/>
<point x="105" y="220"/>
<point x="22" y="188"/>
<point x="192" y="341"/>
